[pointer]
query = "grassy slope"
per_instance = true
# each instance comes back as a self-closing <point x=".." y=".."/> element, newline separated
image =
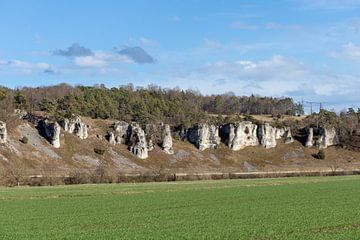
<point x="296" y="208"/>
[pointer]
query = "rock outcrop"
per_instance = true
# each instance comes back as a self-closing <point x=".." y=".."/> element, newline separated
<point x="159" y="134"/>
<point x="51" y="131"/>
<point x="267" y="135"/>
<point x="284" y="133"/>
<point x="322" y="137"/>
<point x="167" y="144"/>
<point x="240" y="135"/>
<point x="3" y="132"/>
<point x="138" y="143"/>
<point x="327" y="137"/>
<point x="204" y="136"/>
<point x="310" y="138"/>
<point x="75" y="126"/>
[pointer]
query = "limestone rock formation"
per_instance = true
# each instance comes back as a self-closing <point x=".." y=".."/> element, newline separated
<point x="241" y="135"/>
<point x="204" y="136"/>
<point x="75" y="126"/>
<point x="310" y="138"/>
<point x="267" y="135"/>
<point x="111" y="138"/>
<point x="122" y="132"/>
<point x="3" y="132"/>
<point x="285" y="134"/>
<point x="327" y="137"/>
<point x="51" y="131"/>
<point x="288" y="138"/>
<point x="167" y="144"/>
<point x="139" y="146"/>
<point x="159" y="134"/>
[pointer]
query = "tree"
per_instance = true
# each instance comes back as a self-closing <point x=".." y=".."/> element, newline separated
<point x="20" y="101"/>
<point x="48" y="105"/>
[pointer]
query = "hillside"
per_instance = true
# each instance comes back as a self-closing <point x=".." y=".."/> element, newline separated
<point x="75" y="156"/>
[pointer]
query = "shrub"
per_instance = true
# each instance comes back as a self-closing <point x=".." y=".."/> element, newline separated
<point x="321" y="154"/>
<point x="24" y="140"/>
<point x="99" y="151"/>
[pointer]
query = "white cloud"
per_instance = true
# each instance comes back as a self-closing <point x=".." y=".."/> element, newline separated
<point x="277" y="76"/>
<point x="349" y="51"/>
<point x="24" y="67"/>
<point x="101" y="59"/>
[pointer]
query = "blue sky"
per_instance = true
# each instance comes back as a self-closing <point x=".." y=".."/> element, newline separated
<point x="303" y="49"/>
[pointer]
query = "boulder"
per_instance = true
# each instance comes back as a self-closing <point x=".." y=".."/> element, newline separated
<point x="267" y="135"/>
<point x="3" y="132"/>
<point x="241" y="135"/>
<point x="327" y="137"/>
<point x="167" y="144"/>
<point x="204" y="136"/>
<point x="51" y="131"/>
<point x="138" y="143"/>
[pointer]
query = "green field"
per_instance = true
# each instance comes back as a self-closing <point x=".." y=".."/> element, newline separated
<point x="286" y="208"/>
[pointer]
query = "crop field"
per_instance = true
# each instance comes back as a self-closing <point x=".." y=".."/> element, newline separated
<point x="284" y="208"/>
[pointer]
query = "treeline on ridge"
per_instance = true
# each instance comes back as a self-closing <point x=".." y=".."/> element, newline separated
<point x="144" y="105"/>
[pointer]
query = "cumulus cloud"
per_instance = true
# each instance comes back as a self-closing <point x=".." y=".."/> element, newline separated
<point x="74" y="50"/>
<point x="137" y="54"/>
<point x="275" y="76"/>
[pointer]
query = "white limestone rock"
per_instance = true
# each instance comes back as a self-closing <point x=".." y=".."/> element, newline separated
<point x="284" y="133"/>
<point x="167" y="144"/>
<point x="122" y="133"/>
<point x="310" y="138"/>
<point x="241" y="135"/>
<point x="267" y="135"/>
<point x="75" y="126"/>
<point x="204" y="136"/>
<point x="139" y="146"/>
<point x="327" y="137"/>
<point x="51" y="130"/>
<point x="3" y="132"/>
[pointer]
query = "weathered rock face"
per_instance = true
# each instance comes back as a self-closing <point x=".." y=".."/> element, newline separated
<point x="328" y="137"/>
<point x="122" y="132"/>
<point x="325" y="137"/>
<point x="310" y="138"/>
<point x="241" y="135"/>
<point x="167" y="144"/>
<point x="75" y="126"/>
<point x="139" y="146"/>
<point x="51" y="130"/>
<point x="111" y="138"/>
<point x="285" y="134"/>
<point x="288" y="138"/>
<point x="159" y="134"/>
<point x="267" y="135"/>
<point x="204" y="136"/>
<point x="3" y="132"/>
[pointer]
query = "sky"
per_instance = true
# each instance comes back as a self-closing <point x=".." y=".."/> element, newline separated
<point x="305" y="49"/>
